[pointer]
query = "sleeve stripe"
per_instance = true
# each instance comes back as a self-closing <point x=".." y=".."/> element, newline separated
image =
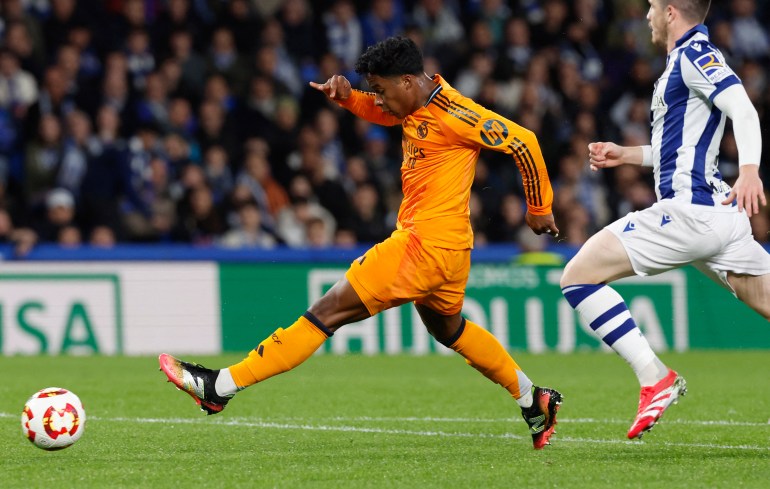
<point x="525" y="170"/>
<point x="471" y="114"/>
<point x="453" y="113"/>
<point x="523" y="151"/>
<point x="443" y="101"/>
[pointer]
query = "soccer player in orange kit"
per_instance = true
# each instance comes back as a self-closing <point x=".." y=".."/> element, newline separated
<point x="427" y="258"/>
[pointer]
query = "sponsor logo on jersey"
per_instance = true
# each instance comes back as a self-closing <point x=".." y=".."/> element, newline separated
<point x="494" y="132"/>
<point x="712" y="67"/>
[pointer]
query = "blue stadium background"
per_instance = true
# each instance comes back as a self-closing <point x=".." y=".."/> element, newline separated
<point x="129" y="124"/>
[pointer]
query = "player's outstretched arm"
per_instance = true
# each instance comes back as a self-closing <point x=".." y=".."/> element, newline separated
<point x="337" y="88"/>
<point x="608" y="155"/>
<point x="362" y="104"/>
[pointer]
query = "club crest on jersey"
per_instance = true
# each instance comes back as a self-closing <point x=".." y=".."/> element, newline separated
<point x="422" y="130"/>
<point x="712" y="67"/>
<point x="494" y="132"/>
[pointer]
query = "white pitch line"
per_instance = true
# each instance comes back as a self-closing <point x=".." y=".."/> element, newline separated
<point x="357" y="429"/>
<point x="561" y="420"/>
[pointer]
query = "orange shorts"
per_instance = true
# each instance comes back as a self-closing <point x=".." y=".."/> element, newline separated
<point x="402" y="269"/>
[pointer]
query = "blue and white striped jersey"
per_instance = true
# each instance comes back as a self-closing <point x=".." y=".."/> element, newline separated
<point x="686" y="125"/>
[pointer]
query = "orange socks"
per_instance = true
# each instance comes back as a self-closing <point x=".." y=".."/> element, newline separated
<point x="483" y="352"/>
<point x="282" y="351"/>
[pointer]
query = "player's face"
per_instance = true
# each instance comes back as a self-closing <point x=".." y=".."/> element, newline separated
<point x="657" y="18"/>
<point x="392" y="94"/>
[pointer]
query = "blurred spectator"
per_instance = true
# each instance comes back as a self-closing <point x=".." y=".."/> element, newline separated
<point x="302" y="40"/>
<point x="57" y="26"/>
<point x="177" y="17"/>
<point x="471" y="78"/>
<point x="269" y="194"/>
<point x="58" y="214"/>
<point x="77" y="152"/>
<point x="139" y="58"/>
<point x="318" y="235"/>
<point x="439" y="25"/>
<point x="517" y="49"/>
<point x="327" y="127"/>
<point x="102" y="237"/>
<point x="192" y="64"/>
<point x="223" y="59"/>
<point x="18" y="88"/>
<point x="242" y="21"/>
<point x="368" y="222"/>
<point x="293" y="220"/>
<point x="512" y="211"/>
<point x="583" y="184"/>
<point x="344" y="35"/>
<point x="152" y="219"/>
<point x="549" y="29"/>
<point x="268" y="62"/>
<point x="42" y="160"/>
<point x="495" y="15"/>
<point x="750" y="38"/>
<point x="201" y="221"/>
<point x="218" y="172"/>
<point x="19" y="41"/>
<point x="54" y="99"/>
<point x="69" y="237"/>
<point x="13" y="12"/>
<point x="383" y="19"/>
<point x="249" y="232"/>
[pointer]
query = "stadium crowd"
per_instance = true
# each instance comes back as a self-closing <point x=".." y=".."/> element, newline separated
<point x="192" y="120"/>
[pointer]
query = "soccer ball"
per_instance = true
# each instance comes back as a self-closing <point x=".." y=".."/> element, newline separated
<point x="53" y="418"/>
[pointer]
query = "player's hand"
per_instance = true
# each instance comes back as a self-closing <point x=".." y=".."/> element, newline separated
<point x="336" y="88"/>
<point x="747" y="191"/>
<point x="604" y="155"/>
<point x="542" y="224"/>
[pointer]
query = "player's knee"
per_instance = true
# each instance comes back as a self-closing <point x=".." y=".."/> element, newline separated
<point x="568" y="276"/>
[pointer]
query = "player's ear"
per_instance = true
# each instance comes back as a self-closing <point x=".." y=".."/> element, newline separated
<point x="407" y="81"/>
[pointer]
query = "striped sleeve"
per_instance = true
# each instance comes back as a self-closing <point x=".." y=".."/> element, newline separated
<point x="477" y="126"/>
<point x="362" y="105"/>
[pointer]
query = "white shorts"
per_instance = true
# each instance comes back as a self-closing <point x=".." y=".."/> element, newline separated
<point x="672" y="234"/>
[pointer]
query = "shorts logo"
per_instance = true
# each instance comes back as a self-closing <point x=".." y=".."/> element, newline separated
<point x="629" y="227"/>
<point x="494" y="132"/>
<point x="666" y="219"/>
<point x="712" y="67"/>
<point x="422" y="130"/>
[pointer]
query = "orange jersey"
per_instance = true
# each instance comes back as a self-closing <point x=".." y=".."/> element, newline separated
<point x="441" y="142"/>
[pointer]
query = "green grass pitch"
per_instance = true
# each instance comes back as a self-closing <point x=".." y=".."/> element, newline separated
<point x="360" y="422"/>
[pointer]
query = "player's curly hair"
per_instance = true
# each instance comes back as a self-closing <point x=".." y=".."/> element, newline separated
<point x="391" y="57"/>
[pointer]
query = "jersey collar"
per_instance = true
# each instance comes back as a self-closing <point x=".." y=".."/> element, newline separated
<point x="441" y="85"/>
<point x="687" y="35"/>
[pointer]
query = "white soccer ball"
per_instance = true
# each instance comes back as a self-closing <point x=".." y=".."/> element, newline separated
<point x="53" y="418"/>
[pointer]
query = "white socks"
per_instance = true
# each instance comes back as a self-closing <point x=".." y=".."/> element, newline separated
<point x="604" y="309"/>
<point x="225" y="385"/>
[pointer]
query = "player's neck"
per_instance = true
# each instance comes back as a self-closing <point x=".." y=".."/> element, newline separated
<point x="426" y="86"/>
<point x="675" y="33"/>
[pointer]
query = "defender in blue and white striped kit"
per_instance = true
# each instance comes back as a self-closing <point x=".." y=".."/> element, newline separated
<point x="698" y="219"/>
